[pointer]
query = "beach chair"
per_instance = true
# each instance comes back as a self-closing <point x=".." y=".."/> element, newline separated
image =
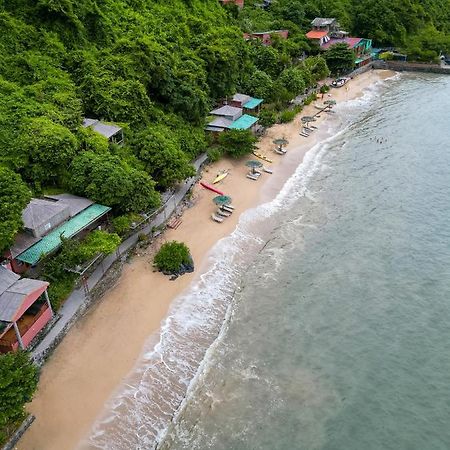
<point x="216" y="218"/>
<point x="219" y="212"/>
<point x="229" y="207"/>
<point x="303" y="134"/>
<point x="279" y="152"/>
<point x="313" y="127"/>
<point x="266" y="169"/>
<point x="252" y="177"/>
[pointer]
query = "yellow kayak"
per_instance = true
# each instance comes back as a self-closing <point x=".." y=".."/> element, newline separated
<point x="263" y="157"/>
<point x="220" y="177"/>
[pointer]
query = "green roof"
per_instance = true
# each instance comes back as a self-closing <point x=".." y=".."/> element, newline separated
<point x="52" y="240"/>
<point x="244" y="122"/>
<point x="253" y="103"/>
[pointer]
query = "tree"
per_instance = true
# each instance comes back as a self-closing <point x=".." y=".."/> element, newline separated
<point x="317" y="66"/>
<point x="14" y="197"/>
<point x="340" y="58"/>
<point x="49" y="149"/>
<point x="292" y="80"/>
<point x="109" y="180"/>
<point x="237" y="143"/>
<point x="258" y="84"/>
<point x="162" y="157"/>
<point x="18" y="381"/>
<point x="172" y="256"/>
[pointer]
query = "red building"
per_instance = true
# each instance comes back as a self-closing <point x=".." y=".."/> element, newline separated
<point x="266" y="36"/>
<point x="239" y="3"/>
<point x="24" y="310"/>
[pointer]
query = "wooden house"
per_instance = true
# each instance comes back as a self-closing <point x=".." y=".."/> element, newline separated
<point x="25" y="310"/>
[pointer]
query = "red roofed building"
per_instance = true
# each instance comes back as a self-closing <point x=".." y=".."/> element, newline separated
<point x="320" y="37"/>
<point x="24" y="310"/>
<point x="239" y="3"/>
<point x="266" y="36"/>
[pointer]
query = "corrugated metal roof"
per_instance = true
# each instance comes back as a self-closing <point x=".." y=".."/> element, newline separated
<point x="14" y="295"/>
<point x="39" y="212"/>
<point x="220" y="122"/>
<point x="350" y="41"/>
<point x="322" y="21"/>
<point x="253" y="103"/>
<point x="226" y="110"/>
<point x="76" y="204"/>
<point x="244" y="122"/>
<point x="7" y="279"/>
<point x="100" y="127"/>
<point x="68" y="229"/>
<point x="314" y="34"/>
<point x="242" y="98"/>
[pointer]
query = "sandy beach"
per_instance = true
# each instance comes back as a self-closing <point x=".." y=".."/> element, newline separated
<point x="99" y="351"/>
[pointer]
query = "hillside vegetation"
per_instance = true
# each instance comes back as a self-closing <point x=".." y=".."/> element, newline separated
<point x="157" y="67"/>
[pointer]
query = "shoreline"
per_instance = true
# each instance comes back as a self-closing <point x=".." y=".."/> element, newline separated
<point x="103" y="347"/>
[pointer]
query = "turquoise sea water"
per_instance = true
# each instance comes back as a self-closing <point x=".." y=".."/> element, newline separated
<point x="338" y="330"/>
<point x="340" y="337"/>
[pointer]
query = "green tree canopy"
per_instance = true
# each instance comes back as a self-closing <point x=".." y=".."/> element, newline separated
<point x="237" y="143"/>
<point x="171" y="256"/>
<point x="109" y="180"/>
<point x="18" y="381"/>
<point x="162" y="157"/>
<point x="339" y="58"/>
<point x="14" y="197"/>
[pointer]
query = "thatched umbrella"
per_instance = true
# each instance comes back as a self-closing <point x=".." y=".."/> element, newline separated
<point x="329" y="102"/>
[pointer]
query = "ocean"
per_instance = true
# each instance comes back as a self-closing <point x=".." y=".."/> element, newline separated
<point x="325" y="316"/>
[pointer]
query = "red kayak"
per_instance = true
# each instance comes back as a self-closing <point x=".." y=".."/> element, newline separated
<point x="207" y="186"/>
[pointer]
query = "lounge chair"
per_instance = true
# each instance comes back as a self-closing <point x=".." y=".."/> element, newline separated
<point x="279" y="152"/>
<point x="308" y="130"/>
<point x="216" y="218"/>
<point x="266" y="169"/>
<point x="223" y="213"/>
<point x="302" y="133"/>
<point x="252" y="177"/>
<point x="226" y="209"/>
<point x="229" y="207"/>
<point x="313" y="127"/>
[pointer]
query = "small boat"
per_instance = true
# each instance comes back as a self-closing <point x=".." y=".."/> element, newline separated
<point x="263" y="157"/>
<point x="339" y="82"/>
<point x="207" y="186"/>
<point x="220" y="177"/>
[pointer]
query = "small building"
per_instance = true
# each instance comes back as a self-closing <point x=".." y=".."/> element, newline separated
<point x="112" y="132"/>
<point x="318" y="37"/>
<point x="228" y="112"/>
<point x="25" y="309"/>
<point x="46" y="222"/>
<point x="266" y="36"/>
<point x="246" y="102"/>
<point x="328" y="24"/>
<point x="238" y="3"/>
<point x="230" y="118"/>
<point x="361" y="47"/>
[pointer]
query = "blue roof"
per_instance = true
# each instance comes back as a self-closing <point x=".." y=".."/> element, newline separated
<point x="244" y="122"/>
<point x="52" y="241"/>
<point x="253" y="103"/>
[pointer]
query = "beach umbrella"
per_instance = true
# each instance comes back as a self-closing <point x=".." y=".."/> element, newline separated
<point x="280" y="142"/>
<point x="221" y="200"/>
<point x="253" y="164"/>
<point x="329" y="103"/>
<point x="307" y="119"/>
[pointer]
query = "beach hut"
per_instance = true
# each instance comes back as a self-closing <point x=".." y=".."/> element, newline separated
<point x="25" y="309"/>
<point x="45" y="221"/>
<point x="110" y="131"/>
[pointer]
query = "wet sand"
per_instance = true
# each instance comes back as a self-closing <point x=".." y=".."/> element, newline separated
<point x="102" y="348"/>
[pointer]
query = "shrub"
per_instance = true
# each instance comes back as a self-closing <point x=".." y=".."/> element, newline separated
<point x="171" y="256"/>
<point x="308" y="100"/>
<point x="324" y="89"/>
<point x="237" y="143"/>
<point x="122" y="224"/>
<point x="18" y="381"/>
<point x="267" y="117"/>
<point x="214" y="154"/>
<point x="60" y="289"/>
<point x="287" y="116"/>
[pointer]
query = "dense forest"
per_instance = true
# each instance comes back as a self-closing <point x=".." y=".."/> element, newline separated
<point x="156" y="67"/>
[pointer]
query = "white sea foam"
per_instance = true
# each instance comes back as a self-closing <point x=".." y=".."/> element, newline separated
<point x="139" y="414"/>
